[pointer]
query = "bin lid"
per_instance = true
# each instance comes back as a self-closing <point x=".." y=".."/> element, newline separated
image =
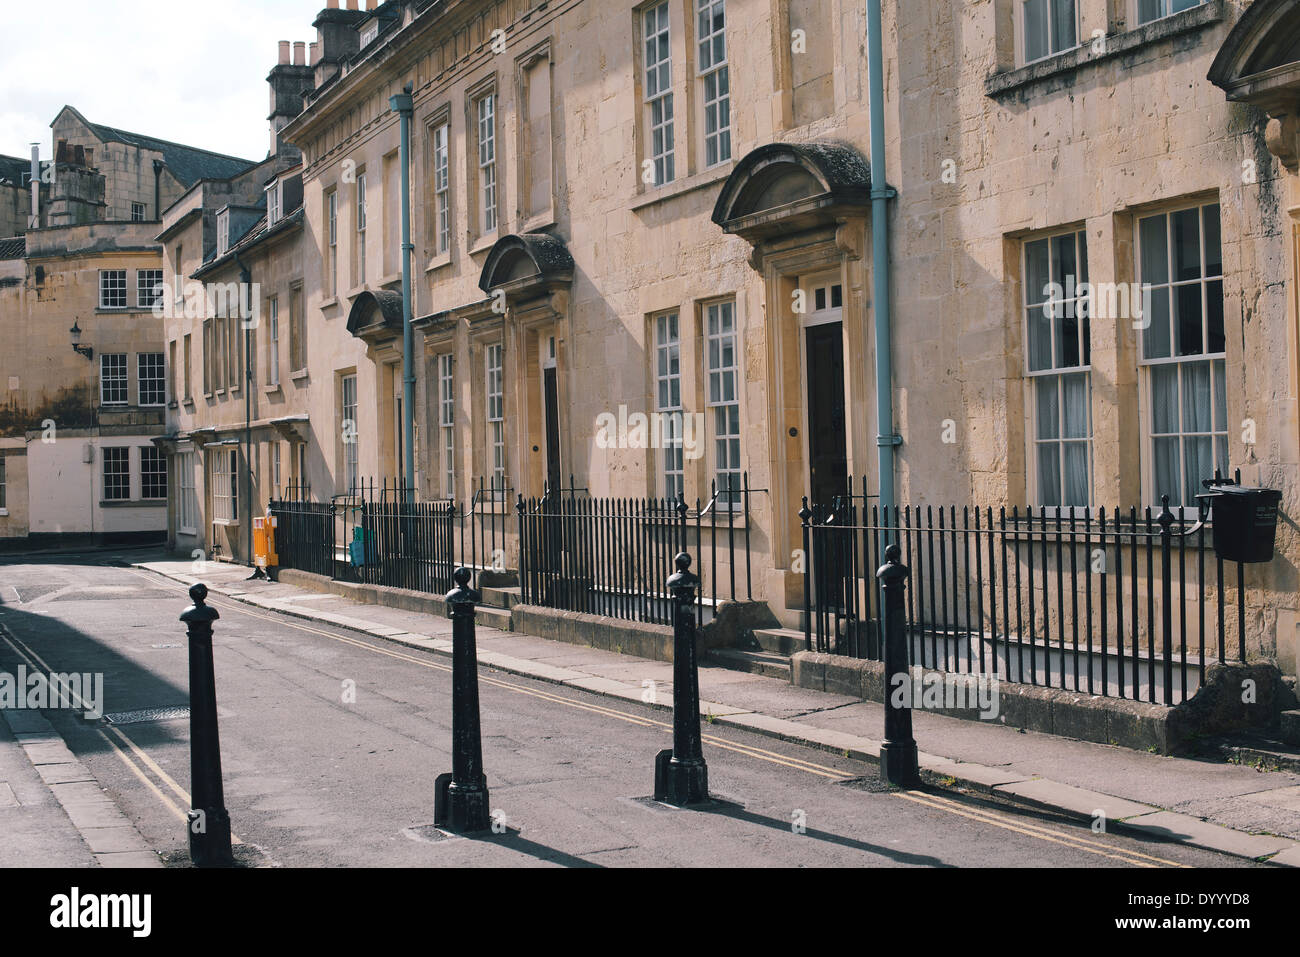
<point x="1246" y="490"/>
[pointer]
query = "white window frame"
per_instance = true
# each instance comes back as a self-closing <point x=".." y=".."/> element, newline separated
<point x="149" y="287"/>
<point x="159" y="472"/>
<point x="494" y="402"/>
<point x="274" y="199"/>
<point x="1218" y="434"/>
<point x="1057" y="370"/>
<point x="275" y="467"/>
<point x="273" y="342"/>
<point x="442" y="185"/>
<point x="361" y="229"/>
<point x="111" y="379"/>
<point x="1166" y="9"/>
<point x="368" y="34"/>
<point x="112" y="289"/>
<point x="713" y="72"/>
<point x="447" y="422"/>
<point x="351" y="437"/>
<point x="668" y="402"/>
<point x="485" y="108"/>
<point x="332" y="215"/>
<point x="151" y="377"/>
<point x="121" y="470"/>
<point x="137" y="212"/>
<point x="656" y="41"/>
<point x="223" y="232"/>
<point x="1049" y="12"/>
<point x="187" y="500"/>
<point x="725" y="425"/>
<point x="4" y="479"/>
<point x="224" y="472"/>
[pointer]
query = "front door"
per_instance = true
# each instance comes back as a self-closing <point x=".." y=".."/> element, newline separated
<point x="552" y="395"/>
<point x="828" y="460"/>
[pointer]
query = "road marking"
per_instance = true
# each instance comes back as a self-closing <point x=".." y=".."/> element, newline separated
<point x="933" y="801"/>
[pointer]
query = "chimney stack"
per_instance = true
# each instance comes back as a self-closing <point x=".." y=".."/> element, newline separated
<point x="371" y="4"/>
<point x="35" y="222"/>
<point x="314" y="56"/>
<point x="300" y="53"/>
<point x="284" y="52"/>
<point x="352" y="4"/>
<point x="290" y="79"/>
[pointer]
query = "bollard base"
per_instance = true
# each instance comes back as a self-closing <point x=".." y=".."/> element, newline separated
<point x="680" y="782"/>
<point x="462" y="808"/>
<point x="898" y="764"/>
<point x="209" y="837"/>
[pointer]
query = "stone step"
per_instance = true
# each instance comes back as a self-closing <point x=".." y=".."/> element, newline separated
<point x="498" y="618"/>
<point x="755" y="662"/>
<point x="779" y="641"/>
<point x="1290" y="727"/>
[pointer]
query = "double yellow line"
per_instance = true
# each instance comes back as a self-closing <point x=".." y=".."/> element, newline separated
<point x="927" y="799"/>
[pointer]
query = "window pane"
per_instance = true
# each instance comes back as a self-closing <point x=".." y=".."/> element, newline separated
<point x="1213" y="252"/>
<point x="1155" y="338"/>
<point x="1187" y="319"/>
<point x="1220" y="397"/>
<point x="1150" y="10"/>
<point x="1049" y="413"/>
<point x="1063" y="25"/>
<point x="1035" y="21"/>
<point x="1076" y="473"/>
<point x="1214" y="316"/>
<point x="1154" y="248"/>
<point x="1049" y="473"/>
<point x="1075" y="419"/>
<point x="1187" y="244"/>
<point x="1196" y="397"/>
<point x="1168" y="481"/>
<point x="1164" y="399"/>
<point x="1036" y="271"/>
<point x="1200" y="465"/>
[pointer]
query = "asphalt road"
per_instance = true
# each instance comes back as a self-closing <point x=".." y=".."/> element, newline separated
<point x="331" y="741"/>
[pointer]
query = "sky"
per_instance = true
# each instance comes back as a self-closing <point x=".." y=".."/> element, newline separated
<point x="190" y="71"/>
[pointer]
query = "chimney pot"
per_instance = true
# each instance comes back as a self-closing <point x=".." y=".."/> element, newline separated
<point x="332" y="5"/>
<point x="371" y="4"/>
<point x="300" y="53"/>
<point x="314" y="58"/>
<point x="284" y="51"/>
<point x="352" y="4"/>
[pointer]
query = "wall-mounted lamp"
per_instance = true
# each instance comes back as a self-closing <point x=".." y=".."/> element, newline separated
<point x="77" y="347"/>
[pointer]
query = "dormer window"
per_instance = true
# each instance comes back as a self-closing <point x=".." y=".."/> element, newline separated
<point x="369" y="33"/>
<point x="273" y="204"/>
<point x="223" y="232"/>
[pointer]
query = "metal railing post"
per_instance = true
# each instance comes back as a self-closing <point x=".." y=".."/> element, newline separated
<point x="681" y="776"/>
<point x="461" y="797"/>
<point x="898" y="755"/>
<point x="208" y="823"/>
<point x="1166" y="519"/>
<point x="805" y="513"/>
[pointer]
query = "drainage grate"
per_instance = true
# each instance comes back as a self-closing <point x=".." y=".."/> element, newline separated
<point x="147" y="714"/>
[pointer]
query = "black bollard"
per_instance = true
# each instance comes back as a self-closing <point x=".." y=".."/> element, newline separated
<point x="898" y="759"/>
<point x="460" y="799"/>
<point x="681" y="776"/>
<point x="208" y="822"/>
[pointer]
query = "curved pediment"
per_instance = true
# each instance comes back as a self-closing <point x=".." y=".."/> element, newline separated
<point x="785" y="186"/>
<point x="376" y="316"/>
<point x="1259" y="62"/>
<point x="521" y="261"/>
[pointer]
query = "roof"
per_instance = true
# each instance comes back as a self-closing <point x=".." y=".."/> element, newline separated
<point x="15" y="248"/>
<point x="188" y="164"/>
<point x="251" y="237"/>
<point x="13" y="169"/>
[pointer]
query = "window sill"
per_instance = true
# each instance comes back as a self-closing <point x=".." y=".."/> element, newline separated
<point x="272" y="389"/>
<point x="439" y="261"/>
<point x="659" y="194"/>
<point x="1057" y="71"/>
<point x="133" y="503"/>
<point x="182" y="530"/>
<point x="539" y="222"/>
<point x="329" y="303"/>
<point x="229" y="522"/>
<point x="4" y="512"/>
<point x="484" y="243"/>
<point x="300" y="376"/>
<point x="173" y="404"/>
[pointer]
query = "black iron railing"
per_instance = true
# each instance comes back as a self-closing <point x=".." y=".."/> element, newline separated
<point x="1130" y="604"/>
<point x="612" y="556"/>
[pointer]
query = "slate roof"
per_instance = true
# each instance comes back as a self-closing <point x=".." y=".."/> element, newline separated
<point x="14" y="169"/>
<point x="189" y="164"/>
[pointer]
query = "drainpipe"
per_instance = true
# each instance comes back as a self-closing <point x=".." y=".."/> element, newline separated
<point x="157" y="189"/>
<point x="246" y="309"/>
<point x="886" y="438"/>
<point x="403" y="106"/>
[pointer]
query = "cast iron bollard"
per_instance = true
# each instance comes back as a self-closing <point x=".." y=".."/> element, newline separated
<point x="898" y="759"/>
<point x="681" y="776"/>
<point x="460" y="800"/>
<point x="208" y="822"/>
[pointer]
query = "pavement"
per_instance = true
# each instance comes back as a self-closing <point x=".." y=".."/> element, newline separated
<point x="1216" y="806"/>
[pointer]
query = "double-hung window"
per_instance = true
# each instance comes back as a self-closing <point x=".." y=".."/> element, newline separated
<point x="117" y="473"/>
<point x="187" y="501"/>
<point x="442" y="186"/>
<point x="112" y="289"/>
<point x="1057" y="368"/>
<point x="361" y="228"/>
<point x="668" y="402"/>
<point x="447" y="424"/>
<point x="153" y="472"/>
<point x="348" y="431"/>
<point x="332" y="215"/>
<point x="273" y="204"/>
<point x="273" y="342"/>
<point x="494" y="392"/>
<point x="714" y="76"/>
<point x="1047" y="27"/>
<point x="3" y="480"/>
<point x="149" y="288"/>
<point x="659" y="91"/>
<point x="1180" y="260"/>
<point x="112" y="378"/>
<point x="1148" y="10"/>
<point x="723" y="398"/>
<point x="225" y="485"/>
<point x="487" y="162"/>
<point x="151" y="378"/>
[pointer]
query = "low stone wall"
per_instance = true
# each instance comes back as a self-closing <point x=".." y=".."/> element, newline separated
<point x="1224" y="704"/>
